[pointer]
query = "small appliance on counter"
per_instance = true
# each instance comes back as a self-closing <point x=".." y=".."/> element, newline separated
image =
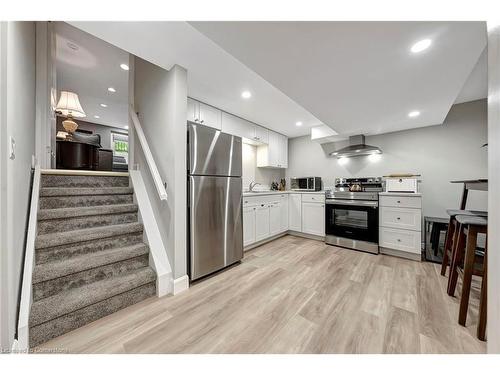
<point x="351" y="213"/>
<point x="305" y="183"/>
<point x="401" y="183"/>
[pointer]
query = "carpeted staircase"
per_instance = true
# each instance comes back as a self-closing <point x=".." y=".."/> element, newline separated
<point x="90" y="258"/>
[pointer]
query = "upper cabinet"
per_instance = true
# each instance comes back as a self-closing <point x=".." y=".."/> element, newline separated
<point x="204" y="114"/>
<point x="275" y="153"/>
<point x="237" y="126"/>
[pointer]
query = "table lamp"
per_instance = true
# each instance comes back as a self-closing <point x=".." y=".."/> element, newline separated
<point x="70" y="107"/>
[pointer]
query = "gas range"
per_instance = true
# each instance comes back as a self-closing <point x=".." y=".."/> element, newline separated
<point x="351" y="212"/>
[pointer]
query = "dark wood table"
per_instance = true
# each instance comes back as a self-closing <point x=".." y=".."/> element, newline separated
<point x="478" y="184"/>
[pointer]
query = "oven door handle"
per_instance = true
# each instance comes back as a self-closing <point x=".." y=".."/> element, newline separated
<point x="352" y="202"/>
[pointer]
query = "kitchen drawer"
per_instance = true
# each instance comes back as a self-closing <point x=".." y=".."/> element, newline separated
<point x="261" y="199"/>
<point x="400" y="201"/>
<point x="402" y="218"/>
<point x="313" y="198"/>
<point x="398" y="239"/>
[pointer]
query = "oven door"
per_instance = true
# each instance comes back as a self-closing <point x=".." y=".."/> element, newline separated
<point x="353" y="219"/>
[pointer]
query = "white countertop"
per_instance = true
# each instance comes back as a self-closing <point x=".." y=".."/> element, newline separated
<point x="274" y="192"/>
<point x="401" y="194"/>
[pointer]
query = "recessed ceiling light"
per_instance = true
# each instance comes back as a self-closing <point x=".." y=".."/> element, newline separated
<point x="414" y="114"/>
<point x="124" y="66"/>
<point x="246" y="94"/>
<point x="111" y="89"/>
<point x="97" y="116"/>
<point x="298" y="123"/>
<point x="421" y="45"/>
<point x="103" y="105"/>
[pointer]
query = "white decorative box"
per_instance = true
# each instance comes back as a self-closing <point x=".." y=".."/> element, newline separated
<point x="401" y="185"/>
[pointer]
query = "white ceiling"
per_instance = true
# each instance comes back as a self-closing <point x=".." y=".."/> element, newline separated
<point x="476" y="86"/>
<point x="214" y="76"/>
<point x="359" y="77"/>
<point x="89" y="71"/>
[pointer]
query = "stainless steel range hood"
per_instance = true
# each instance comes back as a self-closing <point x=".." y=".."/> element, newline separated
<point x="357" y="147"/>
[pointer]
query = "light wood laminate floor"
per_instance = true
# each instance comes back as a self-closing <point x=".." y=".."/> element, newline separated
<point x="294" y="295"/>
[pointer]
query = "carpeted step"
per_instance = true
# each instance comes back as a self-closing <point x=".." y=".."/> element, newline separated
<point x="50" y="254"/>
<point x="55" y="277"/>
<point x="84" y="200"/>
<point x="74" y="299"/>
<point x="83" y="181"/>
<point x="88" y="306"/>
<point x="65" y="191"/>
<point x="69" y="212"/>
<point x="82" y="222"/>
<point x="56" y="239"/>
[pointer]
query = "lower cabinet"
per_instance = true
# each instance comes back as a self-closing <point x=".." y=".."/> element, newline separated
<point x="295" y="212"/>
<point x="284" y="212"/>
<point x="249" y="225"/>
<point x="313" y="218"/>
<point x="274" y="218"/>
<point x="262" y="229"/>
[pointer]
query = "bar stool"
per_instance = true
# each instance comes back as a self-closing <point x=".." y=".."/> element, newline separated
<point x="474" y="263"/>
<point x="452" y="234"/>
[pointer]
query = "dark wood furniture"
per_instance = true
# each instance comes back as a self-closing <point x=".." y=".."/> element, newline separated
<point x="473" y="260"/>
<point x="436" y="225"/>
<point x="76" y="155"/>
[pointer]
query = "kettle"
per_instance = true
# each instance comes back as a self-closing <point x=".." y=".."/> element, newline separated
<point x="355" y="187"/>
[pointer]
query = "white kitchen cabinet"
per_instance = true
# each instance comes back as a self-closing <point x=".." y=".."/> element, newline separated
<point x="237" y="126"/>
<point x="313" y="218"/>
<point x="262" y="230"/>
<point x="400" y="224"/>
<point x="274" y="218"/>
<point x="204" y="114"/>
<point x="261" y="134"/>
<point x="283" y="212"/>
<point x="295" y="212"/>
<point x="248" y="225"/>
<point x="275" y="153"/>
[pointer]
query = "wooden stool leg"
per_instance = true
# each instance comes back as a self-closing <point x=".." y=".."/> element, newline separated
<point x="457" y="255"/>
<point x="447" y="246"/>
<point x="470" y="253"/>
<point x="483" y="302"/>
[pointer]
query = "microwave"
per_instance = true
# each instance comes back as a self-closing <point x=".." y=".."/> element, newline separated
<point x="305" y="183"/>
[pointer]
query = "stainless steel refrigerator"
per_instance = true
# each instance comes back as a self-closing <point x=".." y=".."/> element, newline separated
<point x="214" y="200"/>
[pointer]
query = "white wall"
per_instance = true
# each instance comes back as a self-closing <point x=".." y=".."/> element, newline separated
<point x="17" y="99"/>
<point x="161" y="100"/>
<point x="493" y="327"/>
<point x="439" y="153"/>
<point x="250" y="171"/>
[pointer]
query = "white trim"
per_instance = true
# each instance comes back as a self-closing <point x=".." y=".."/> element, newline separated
<point x="15" y="347"/>
<point x="264" y="241"/>
<point x="29" y="263"/>
<point x="158" y="253"/>
<point x="400" y="254"/>
<point x="160" y="188"/>
<point x="180" y="284"/>
<point x="69" y="172"/>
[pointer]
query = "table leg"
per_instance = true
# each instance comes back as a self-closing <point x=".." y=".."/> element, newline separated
<point x="465" y="192"/>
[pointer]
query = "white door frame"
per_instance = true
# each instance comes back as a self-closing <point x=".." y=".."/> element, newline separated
<point x="46" y="95"/>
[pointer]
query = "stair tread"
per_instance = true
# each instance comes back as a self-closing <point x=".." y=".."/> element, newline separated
<point x="60" y="268"/>
<point x="74" y="299"/>
<point x="64" y="191"/>
<point x="69" y="212"/>
<point x="74" y="236"/>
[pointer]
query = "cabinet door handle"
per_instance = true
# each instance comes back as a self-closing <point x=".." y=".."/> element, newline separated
<point x="399" y="239"/>
<point x="398" y="218"/>
<point x="202" y="121"/>
<point x="399" y="201"/>
<point x="196" y="120"/>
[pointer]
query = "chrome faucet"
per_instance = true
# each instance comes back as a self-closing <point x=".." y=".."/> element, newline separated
<point x="252" y="185"/>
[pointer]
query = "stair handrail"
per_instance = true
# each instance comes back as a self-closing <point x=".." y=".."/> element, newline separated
<point x="160" y="187"/>
<point x="29" y="263"/>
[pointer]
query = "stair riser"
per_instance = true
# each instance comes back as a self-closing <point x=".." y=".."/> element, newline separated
<point x="74" y="223"/>
<point x="46" y="331"/>
<point x="84" y="201"/>
<point x="67" y="251"/>
<point x="50" y="287"/>
<point x="84" y="181"/>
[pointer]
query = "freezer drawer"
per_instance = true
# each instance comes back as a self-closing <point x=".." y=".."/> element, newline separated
<point x="216" y="233"/>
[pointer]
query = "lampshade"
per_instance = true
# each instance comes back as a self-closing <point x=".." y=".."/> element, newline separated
<point x="69" y="105"/>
